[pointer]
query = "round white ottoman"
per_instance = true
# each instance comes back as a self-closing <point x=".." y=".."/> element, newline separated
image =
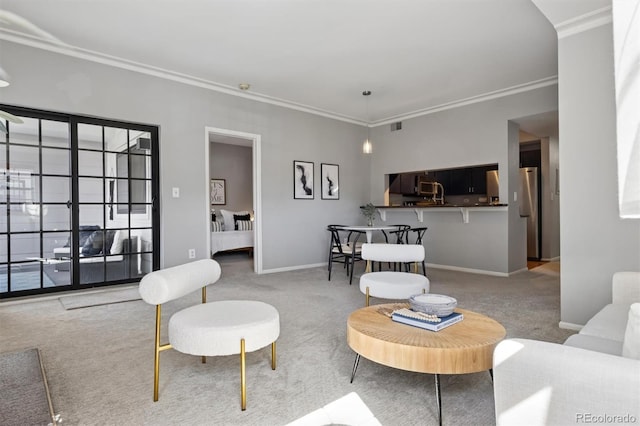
<point x="226" y="328"/>
<point x="393" y="285"/>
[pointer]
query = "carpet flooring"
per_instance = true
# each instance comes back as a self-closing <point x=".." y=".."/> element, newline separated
<point x="24" y="397"/>
<point x="100" y="359"/>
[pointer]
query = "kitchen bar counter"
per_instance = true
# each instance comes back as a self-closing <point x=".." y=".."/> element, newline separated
<point x="464" y="209"/>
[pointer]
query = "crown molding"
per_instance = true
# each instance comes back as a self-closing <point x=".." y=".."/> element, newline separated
<point x="114" y="61"/>
<point x="585" y="22"/>
<point x="532" y="85"/>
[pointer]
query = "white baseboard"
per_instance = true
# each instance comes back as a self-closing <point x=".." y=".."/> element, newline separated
<point x="570" y="326"/>
<point x="552" y="259"/>
<point x="469" y="270"/>
<point x="292" y="268"/>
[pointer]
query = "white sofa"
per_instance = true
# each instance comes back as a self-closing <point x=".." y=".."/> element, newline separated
<point x="594" y="377"/>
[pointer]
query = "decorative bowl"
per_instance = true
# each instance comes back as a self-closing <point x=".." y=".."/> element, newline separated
<point x="433" y="304"/>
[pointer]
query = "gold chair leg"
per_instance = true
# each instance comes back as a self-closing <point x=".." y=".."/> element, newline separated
<point x="367" y="297"/>
<point x="156" y="358"/>
<point x="243" y="384"/>
<point x="273" y="355"/>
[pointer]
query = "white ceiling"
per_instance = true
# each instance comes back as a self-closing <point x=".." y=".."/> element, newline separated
<point x="414" y="55"/>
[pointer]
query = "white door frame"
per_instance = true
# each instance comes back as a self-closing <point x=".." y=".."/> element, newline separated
<point x="254" y="141"/>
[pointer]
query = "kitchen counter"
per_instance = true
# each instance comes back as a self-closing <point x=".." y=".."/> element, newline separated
<point x="464" y="209"/>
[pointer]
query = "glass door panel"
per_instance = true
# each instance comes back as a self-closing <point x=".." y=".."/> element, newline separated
<point x="57" y="161"/>
<point x="25" y="133"/>
<point x="55" y="134"/>
<point x="56" y="189"/>
<point x="27" y="251"/>
<point x="76" y="202"/>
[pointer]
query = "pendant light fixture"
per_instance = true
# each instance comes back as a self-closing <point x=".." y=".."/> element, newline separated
<point x="366" y="146"/>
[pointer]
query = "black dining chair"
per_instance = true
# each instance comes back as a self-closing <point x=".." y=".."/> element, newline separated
<point x="345" y="248"/>
<point x="401" y="234"/>
<point x="420" y="231"/>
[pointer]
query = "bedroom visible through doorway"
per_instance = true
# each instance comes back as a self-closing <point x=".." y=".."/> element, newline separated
<point x="233" y="208"/>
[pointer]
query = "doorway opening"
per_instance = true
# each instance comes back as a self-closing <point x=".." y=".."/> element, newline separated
<point x="233" y="180"/>
<point x="539" y="148"/>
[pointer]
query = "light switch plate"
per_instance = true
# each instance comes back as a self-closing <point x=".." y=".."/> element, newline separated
<point x="176" y="192"/>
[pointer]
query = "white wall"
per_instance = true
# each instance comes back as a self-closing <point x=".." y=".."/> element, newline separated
<point x="594" y="241"/>
<point x="469" y="135"/>
<point x="293" y="230"/>
<point x="234" y="164"/>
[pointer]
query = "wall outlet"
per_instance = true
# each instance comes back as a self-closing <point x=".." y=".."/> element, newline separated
<point x="175" y="192"/>
<point x="192" y="253"/>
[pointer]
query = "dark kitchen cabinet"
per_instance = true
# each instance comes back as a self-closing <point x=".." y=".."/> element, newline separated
<point x="479" y="180"/>
<point x="408" y="183"/>
<point x="459" y="182"/>
<point x="469" y="180"/>
<point x="441" y="176"/>
<point x="394" y="184"/>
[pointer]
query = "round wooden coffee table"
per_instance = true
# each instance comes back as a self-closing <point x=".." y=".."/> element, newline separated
<point x="464" y="347"/>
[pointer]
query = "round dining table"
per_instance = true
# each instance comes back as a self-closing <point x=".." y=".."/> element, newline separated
<point x="368" y="230"/>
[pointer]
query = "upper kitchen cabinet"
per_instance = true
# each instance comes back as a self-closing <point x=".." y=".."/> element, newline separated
<point x="458" y="181"/>
<point x="468" y="180"/>
<point x="394" y="183"/>
<point x="403" y="183"/>
<point x="408" y="183"/>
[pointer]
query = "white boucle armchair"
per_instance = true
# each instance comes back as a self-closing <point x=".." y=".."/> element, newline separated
<point x="219" y="328"/>
<point x="594" y="377"/>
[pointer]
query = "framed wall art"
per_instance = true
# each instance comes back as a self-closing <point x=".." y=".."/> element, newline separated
<point x="330" y="185"/>
<point x="218" y="191"/>
<point x="303" y="180"/>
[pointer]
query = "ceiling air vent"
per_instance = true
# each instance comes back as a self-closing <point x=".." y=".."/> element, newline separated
<point x="396" y="126"/>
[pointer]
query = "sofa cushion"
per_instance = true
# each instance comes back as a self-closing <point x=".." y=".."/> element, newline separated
<point x="118" y="242"/>
<point x="96" y="241"/>
<point x="609" y="323"/>
<point x="593" y="343"/>
<point x="631" y="343"/>
<point x="85" y="232"/>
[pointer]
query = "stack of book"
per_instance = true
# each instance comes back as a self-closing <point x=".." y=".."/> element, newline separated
<point x="428" y="322"/>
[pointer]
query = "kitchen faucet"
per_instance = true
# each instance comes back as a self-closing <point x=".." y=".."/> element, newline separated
<point x="435" y="196"/>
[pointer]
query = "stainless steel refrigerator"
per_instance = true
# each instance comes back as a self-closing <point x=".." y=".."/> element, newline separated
<point x="529" y="191"/>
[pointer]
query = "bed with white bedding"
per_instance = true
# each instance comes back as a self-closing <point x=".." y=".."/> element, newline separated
<point x="231" y="231"/>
